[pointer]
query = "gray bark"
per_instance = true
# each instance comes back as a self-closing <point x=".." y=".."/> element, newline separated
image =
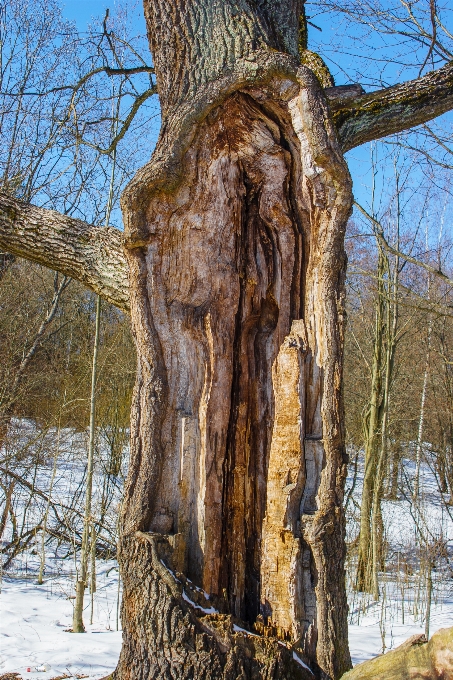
<point x="394" y="109"/>
<point x="89" y="254"/>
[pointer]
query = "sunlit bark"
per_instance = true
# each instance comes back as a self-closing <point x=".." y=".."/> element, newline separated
<point x="234" y="245"/>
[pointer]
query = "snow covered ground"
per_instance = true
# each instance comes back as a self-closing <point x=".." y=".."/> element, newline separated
<point x="376" y="627"/>
<point x="34" y="623"/>
<point x="35" y="620"/>
<point x="366" y="637"/>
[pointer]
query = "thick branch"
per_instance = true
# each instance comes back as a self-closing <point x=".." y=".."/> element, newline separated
<point x="394" y="109"/>
<point x="89" y="254"/>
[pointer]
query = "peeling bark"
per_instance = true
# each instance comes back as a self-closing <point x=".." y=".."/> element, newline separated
<point x="238" y="272"/>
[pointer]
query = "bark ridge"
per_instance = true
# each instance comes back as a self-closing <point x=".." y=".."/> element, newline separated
<point x="237" y="456"/>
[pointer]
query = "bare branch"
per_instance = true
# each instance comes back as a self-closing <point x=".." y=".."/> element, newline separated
<point x="394" y="251"/>
<point x="8" y="404"/>
<point x="124" y="128"/>
<point x="394" y="109"/>
<point x="92" y="255"/>
<point x="109" y="71"/>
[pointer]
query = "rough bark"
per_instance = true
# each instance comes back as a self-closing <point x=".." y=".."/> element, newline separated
<point x="194" y="44"/>
<point x="92" y="255"/>
<point x="233" y="264"/>
<point x="394" y="109"/>
<point x="234" y="241"/>
<point x="235" y="247"/>
<point x="187" y="640"/>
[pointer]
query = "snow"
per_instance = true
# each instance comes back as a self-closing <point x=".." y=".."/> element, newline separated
<point x="300" y="662"/>
<point x="238" y="629"/>
<point x="365" y="637"/>
<point x="34" y="620"/>
<point x="205" y="610"/>
<point x="376" y="627"/>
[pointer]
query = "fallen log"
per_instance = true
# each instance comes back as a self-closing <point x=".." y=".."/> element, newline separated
<point x="415" y="659"/>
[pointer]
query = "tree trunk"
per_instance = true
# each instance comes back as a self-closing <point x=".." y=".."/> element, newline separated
<point x="88" y="527"/>
<point x="419" y="447"/>
<point x="372" y="432"/>
<point x="395" y="472"/>
<point x="235" y="247"/>
<point x="234" y="237"/>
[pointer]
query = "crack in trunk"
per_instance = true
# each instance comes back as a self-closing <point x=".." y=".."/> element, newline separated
<point x="237" y="459"/>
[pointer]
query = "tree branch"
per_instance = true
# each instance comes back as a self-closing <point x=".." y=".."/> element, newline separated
<point x="394" y="251"/>
<point x="125" y="127"/>
<point x="394" y="109"/>
<point x="92" y="255"/>
<point x="77" y="86"/>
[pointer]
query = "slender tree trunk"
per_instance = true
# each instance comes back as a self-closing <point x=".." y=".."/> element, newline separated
<point x="92" y="570"/>
<point x="89" y="530"/>
<point x="6" y="508"/>
<point x="429" y="594"/>
<point x="391" y="327"/>
<point x="395" y="471"/>
<point x="449" y="462"/>
<point x="377" y="423"/>
<point x="42" y="562"/>
<point x="234" y="237"/>
<point x="418" y="449"/>
<point x="372" y="427"/>
<point x="8" y="403"/>
<point x="82" y="575"/>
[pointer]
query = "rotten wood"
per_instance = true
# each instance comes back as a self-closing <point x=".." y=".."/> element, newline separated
<point x="234" y="246"/>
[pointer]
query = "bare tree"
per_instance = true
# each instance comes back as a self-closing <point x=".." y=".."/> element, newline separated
<point x="233" y="246"/>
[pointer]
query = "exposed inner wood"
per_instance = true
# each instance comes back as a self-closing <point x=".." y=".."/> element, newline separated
<point x="234" y="233"/>
<point x="237" y="453"/>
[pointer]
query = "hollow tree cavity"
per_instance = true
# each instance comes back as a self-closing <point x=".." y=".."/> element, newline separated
<point x="232" y="267"/>
<point x="234" y="235"/>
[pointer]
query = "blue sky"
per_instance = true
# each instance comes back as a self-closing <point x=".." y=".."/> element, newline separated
<point x="82" y="11"/>
<point x="364" y="57"/>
